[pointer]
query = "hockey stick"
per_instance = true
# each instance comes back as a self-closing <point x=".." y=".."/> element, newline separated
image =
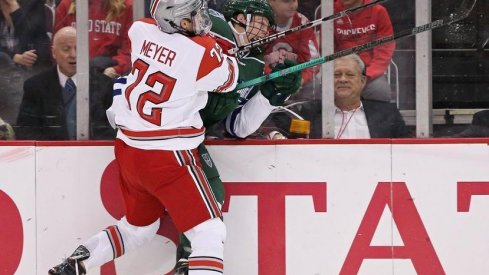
<point x="308" y="25"/>
<point x="464" y="10"/>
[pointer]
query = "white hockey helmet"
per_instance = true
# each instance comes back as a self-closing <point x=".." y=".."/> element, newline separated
<point x="169" y="13"/>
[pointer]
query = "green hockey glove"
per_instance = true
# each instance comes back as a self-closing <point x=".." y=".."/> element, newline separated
<point x="289" y="83"/>
<point x="218" y="107"/>
<point x="279" y="89"/>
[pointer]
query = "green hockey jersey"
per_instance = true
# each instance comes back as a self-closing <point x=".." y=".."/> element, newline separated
<point x="220" y="106"/>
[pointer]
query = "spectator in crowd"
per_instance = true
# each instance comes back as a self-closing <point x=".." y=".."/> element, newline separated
<point x="109" y="21"/>
<point x="359" y="28"/>
<point x="479" y="126"/>
<point x="24" y="50"/>
<point x="6" y="131"/>
<point x="299" y="46"/>
<point x="23" y="37"/>
<point x="361" y="118"/>
<point x="48" y="108"/>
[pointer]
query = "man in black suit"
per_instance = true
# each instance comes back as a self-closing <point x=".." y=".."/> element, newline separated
<point x="48" y="108"/>
<point x="358" y="118"/>
<point x="354" y="117"/>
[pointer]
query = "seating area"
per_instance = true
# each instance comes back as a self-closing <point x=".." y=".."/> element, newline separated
<point x="459" y="58"/>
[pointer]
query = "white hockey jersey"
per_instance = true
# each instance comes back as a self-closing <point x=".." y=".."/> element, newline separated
<point x="158" y="106"/>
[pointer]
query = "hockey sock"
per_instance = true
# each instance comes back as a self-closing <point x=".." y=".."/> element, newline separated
<point x="207" y="241"/>
<point x="116" y="240"/>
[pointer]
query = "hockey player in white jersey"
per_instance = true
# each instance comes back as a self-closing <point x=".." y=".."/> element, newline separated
<point x="174" y="65"/>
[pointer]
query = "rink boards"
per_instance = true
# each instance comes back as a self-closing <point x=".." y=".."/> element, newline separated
<point x="317" y="207"/>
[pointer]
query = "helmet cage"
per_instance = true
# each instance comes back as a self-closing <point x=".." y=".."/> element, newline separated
<point x="250" y="27"/>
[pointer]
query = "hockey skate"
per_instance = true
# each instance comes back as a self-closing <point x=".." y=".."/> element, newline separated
<point x="181" y="268"/>
<point x="73" y="264"/>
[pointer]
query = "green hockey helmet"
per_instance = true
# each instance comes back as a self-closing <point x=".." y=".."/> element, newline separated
<point x="248" y="7"/>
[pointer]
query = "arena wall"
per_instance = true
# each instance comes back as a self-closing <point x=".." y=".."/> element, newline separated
<point x="292" y="207"/>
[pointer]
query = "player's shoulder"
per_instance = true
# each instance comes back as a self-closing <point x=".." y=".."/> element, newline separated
<point x="221" y="31"/>
<point x="216" y="16"/>
<point x="220" y="26"/>
<point x="146" y="21"/>
<point x="205" y="41"/>
<point x="140" y="24"/>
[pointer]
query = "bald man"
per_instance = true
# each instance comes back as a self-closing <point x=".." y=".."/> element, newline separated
<point x="64" y="51"/>
<point x="48" y="108"/>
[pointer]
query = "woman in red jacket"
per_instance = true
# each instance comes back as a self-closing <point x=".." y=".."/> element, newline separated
<point x="108" y="22"/>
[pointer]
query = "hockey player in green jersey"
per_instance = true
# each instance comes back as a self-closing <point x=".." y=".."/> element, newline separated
<point x="243" y="111"/>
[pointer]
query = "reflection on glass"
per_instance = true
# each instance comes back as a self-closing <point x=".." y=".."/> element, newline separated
<point x="460" y="72"/>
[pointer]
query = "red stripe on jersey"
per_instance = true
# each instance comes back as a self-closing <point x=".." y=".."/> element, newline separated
<point x="212" y="58"/>
<point x="230" y="79"/>
<point x="206" y="263"/>
<point x="225" y="43"/>
<point x="179" y="132"/>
